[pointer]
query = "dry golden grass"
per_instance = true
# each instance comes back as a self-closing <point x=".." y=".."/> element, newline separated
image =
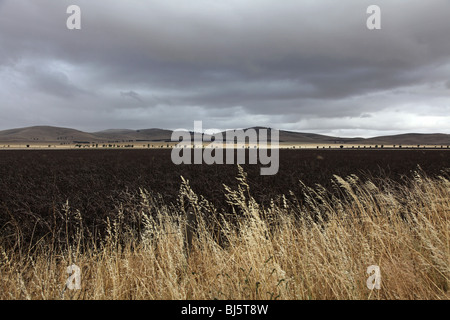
<point x="316" y="248"/>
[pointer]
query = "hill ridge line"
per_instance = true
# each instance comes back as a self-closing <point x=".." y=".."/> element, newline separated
<point x="54" y="134"/>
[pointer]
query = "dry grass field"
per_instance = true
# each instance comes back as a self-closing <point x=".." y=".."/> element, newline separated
<point x="316" y="248"/>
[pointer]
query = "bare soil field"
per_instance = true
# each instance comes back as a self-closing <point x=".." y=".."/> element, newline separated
<point x="34" y="184"/>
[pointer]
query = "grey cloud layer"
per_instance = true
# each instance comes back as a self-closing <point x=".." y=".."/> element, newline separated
<point x="231" y="63"/>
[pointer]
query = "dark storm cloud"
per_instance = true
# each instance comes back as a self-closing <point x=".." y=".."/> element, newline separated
<point x="230" y="63"/>
<point x="51" y="82"/>
<point x="447" y="84"/>
<point x="132" y="94"/>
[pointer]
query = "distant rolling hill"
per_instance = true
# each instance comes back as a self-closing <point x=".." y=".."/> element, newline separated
<point x="58" y="135"/>
<point x="44" y="134"/>
<point x="407" y="139"/>
<point x="412" y="139"/>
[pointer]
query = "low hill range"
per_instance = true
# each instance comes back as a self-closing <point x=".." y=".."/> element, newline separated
<point x="58" y="135"/>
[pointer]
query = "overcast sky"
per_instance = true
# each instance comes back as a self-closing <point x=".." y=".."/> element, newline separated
<point x="303" y="65"/>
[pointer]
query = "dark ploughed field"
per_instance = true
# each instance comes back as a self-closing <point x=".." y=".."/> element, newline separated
<point x="34" y="185"/>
